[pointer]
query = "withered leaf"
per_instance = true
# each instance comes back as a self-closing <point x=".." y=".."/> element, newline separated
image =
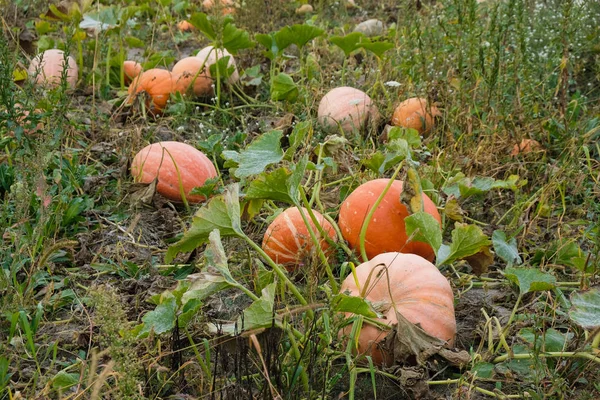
<point x="452" y="209"/>
<point x="481" y="261"/>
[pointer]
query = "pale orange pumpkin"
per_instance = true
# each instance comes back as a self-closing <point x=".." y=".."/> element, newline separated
<point x="22" y="119"/>
<point x="185" y="26"/>
<point x="226" y="6"/>
<point x="209" y="56"/>
<point x="526" y="146"/>
<point x="131" y="70"/>
<point x="176" y="165"/>
<point x="386" y="231"/>
<point x="408" y="284"/>
<point x="191" y="72"/>
<point x="348" y="107"/>
<point x="47" y="68"/>
<point x="415" y="113"/>
<point x="287" y="240"/>
<point x="158" y="84"/>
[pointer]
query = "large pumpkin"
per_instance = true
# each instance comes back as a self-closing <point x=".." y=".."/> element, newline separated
<point x="415" y="113"/>
<point x="190" y="72"/>
<point x="209" y="56"/>
<point x="48" y="67"/>
<point x="347" y="106"/>
<point x="386" y="231"/>
<point x="159" y="160"/>
<point x="158" y="84"/>
<point x="287" y="240"/>
<point x="408" y="284"/>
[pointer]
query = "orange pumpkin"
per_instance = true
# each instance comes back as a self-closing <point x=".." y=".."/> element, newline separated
<point x="287" y="240"/>
<point x="131" y="70"/>
<point x="349" y="107"/>
<point x="22" y="119"/>
<point x="386" y="231"/>
<point x="185" y="26"/>
<point x="157" y="84"/>
<point x="191" y="72"/>
<point x="226" y="6"/>
<point x="526" y="146"/>
<point x="415" y="113"/>
<point x="408" y="284"/>
<point x="175" y="165"/>
<point x="209" y="56"/>
<point x="47" y="68"/>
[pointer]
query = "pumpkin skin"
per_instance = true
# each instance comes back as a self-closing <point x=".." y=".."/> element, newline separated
<point x="415" y="113"/>
<point x="191" y="72"/>
<point x="156" y="160"/>
<point x="47" y="68"/>
<point x="158" y="84"/>
<point x="209" y="56"/>
<point x="526" y="146"/>
<point x="348" y="106"/>
<point x="287" y="240"/>
<point x="185" y="26"/>
<point x="131" y="70"/>
<point x="386" y="231"/>
<point x="412" y="286"/>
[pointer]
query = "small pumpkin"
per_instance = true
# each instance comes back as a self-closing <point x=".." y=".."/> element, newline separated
<point x="408" y="284"/>
<point x="349" y="107"/>
<point x="185" y="26"/>
<point x="226" y="6"/>
<point x="158" y="84"/>
<point x="209" y="56"/>
<point x="304" y="9"/>
<point x="415" y="113"/>
<point x="386" y="231"/>
<point x="287" y="240"/>
<point x="131" y="69"/>
<point x="526" y="146"/>
<point x="191" y="72"/>
<point x="47" y="68"/>
<point x="23" y="119"/>
<point x="176" y="165"/>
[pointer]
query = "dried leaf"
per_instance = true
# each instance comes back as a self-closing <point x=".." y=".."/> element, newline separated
<point x="453" y="210"/>
<point x="481" y="261"/>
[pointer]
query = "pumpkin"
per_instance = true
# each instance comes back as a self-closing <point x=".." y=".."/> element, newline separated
<point x="185" y="26"/>
<point x="191" y="72"/>
<point x="157" y="84"/>
<point x="226" y="6"/>
<point x="176" y="165"/>
<point x="131" y="69"/>
<point x="386" y="231"/>
<point x="24" y="120"/>
<point x="47" y="68"/>
<point x="287" y="240"/>
<point x="349" y="107"/>
<point x="304" y="9"/>
<point x="526" y="146"/>
<point x="209" y="56"/>
<point x="370" y="27"/>
<point x="408" y="284"/>
<point x="415" y="113"/>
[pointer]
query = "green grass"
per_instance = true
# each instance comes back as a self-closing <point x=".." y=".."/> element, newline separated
<point x="83" y="275"/>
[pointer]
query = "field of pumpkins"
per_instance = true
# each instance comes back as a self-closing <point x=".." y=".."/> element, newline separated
<point x="349" y="199"/>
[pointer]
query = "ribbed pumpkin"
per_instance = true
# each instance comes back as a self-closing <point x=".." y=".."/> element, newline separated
<point x="287" y="240"/>
<point x="191" y="72"/>
<point x="406" y="283"/>
<point x="47" y="68"/>
<point x="415" y="113"/>
<point x="131" y="70"/>
<point x="158" y="84"/>
<point x="349" y="107"/>
<point x="209" y="56"/>
<point x="159" y="160"/>
<point x="386" y="231"/>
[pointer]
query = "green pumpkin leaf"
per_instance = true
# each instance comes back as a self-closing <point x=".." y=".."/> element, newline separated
<point x="260" y="313"/>
<point x="377" y="48"/>
<point x="201" y="22"/>
<point x="283" y="87"/>
<point x="352" y="304"/>
<point x="423" y="227"/>
<point x="235" y="39"/>
<point x="506" y="250"/>
<point x="299" y="34"/>
<point x="221" y="212"/>
<point x="263" y="151"/>
<point x="161" y="319"/>
<point x="530" y="279"/>
<point x="272" y="186"/>
<point x="585" y="308"/>
<point x="348" y="43"/>
<point x="64" y="380"/>
<point x="467" y="240"/>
